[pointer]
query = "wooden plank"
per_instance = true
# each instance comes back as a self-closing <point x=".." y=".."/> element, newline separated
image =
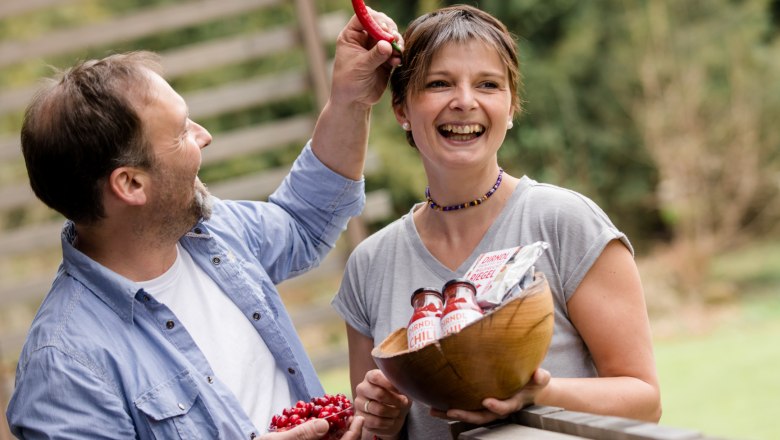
<point x="11" y="343"/>
<point x="31" y="288"/>
<point x="198" y="57"/>
<point x="533" y="415"/>
<point x="240" y="95"/>
<point x="9" y="8"/>
<point x="31" y="238"/>
<point x="10" y="148"/>
<point x="148" y="22"/>
<point x="514" y="432"/>
<point x="600" y="427"/>
<point x="241" y="48"/>
<point x="16" y="195"/>
<point x="315" y="50"/>
<point x="574" y="423"/>
<point x="259" y="138"/>
<point x="15" y="100"/>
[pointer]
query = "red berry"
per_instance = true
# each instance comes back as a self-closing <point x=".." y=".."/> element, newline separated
<point x="336" y="409"/>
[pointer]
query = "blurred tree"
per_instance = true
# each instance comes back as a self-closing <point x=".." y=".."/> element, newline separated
<point x="661" y="111"/>
<point x="708" y="97"/>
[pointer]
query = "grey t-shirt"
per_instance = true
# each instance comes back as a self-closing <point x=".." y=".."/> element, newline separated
<point x="384" y="270"/>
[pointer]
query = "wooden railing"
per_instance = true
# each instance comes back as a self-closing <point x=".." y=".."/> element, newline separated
<point x="552" y="423"/>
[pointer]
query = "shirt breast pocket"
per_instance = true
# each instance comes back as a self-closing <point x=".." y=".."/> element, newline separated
<point x="175" y="410"/>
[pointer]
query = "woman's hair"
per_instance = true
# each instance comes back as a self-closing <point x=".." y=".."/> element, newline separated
<point x="82" y="126"/>
<point x="427" y="34"/>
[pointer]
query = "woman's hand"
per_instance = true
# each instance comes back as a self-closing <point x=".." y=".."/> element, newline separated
<point x="382" y="406"/>
<point x="498" y="409"/>
<point x="316" y="429"/>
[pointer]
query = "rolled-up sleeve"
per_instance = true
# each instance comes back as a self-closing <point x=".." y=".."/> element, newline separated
<point x="320" y="199"/>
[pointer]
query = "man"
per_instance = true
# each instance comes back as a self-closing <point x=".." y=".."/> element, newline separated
<point x="163" y="320"/>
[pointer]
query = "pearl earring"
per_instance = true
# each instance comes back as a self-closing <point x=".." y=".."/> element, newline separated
<point x="406" y="126"/>
<point x="509" y="124"/>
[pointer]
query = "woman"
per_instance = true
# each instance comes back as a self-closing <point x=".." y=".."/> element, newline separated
<point x="455" y="95"/>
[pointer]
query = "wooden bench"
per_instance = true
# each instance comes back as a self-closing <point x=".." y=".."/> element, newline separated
<point x="290" y="61"/>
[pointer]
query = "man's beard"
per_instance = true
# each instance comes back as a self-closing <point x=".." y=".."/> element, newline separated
<point x="168" y="222"/>
<point x="201" y="203"/>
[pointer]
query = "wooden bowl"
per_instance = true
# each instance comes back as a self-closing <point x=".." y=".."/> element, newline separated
<point x="494" y="356"/>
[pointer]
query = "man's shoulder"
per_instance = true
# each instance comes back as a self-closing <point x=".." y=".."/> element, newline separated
<point x="71" y="319"/>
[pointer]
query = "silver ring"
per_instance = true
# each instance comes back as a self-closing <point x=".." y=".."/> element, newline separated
<point x="365" y="406"/>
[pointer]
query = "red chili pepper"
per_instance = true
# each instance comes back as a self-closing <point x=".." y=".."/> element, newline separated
<point x="371" y="26"/>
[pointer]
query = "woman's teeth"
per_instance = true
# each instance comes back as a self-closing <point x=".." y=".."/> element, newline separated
<point x="461" y="132"/>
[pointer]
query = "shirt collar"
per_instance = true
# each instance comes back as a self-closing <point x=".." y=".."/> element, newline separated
<point x="113" y="289"/>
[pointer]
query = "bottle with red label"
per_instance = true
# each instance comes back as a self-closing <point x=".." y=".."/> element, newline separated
<point x="460" y="305"/>
<point x="425" y="325"/>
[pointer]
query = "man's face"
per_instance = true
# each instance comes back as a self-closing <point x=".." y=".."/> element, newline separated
<point x="178" y="197"/>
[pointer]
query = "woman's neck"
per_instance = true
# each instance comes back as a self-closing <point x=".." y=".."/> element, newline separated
<point x="451" y="236"/>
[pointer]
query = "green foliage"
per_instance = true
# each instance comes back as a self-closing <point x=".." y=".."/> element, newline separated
<point x="581" y="63"/>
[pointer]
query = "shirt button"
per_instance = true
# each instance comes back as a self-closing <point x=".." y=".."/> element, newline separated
<point x="210" y="379"/>
<point x="146" y="298"/>
<point x="216" y="261"/>
<point x="252" y="435"/>
<point x="291" y="370"/>
<point x="197" y="230"/>
<point x="170" y="324"/>
<point x="181" y="406"/>
<point x="256" y="316"/>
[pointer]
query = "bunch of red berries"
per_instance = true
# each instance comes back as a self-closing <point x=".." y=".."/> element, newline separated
<point x="336" y="409"/>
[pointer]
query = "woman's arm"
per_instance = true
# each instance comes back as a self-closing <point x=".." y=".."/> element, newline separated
<point x="608" y="309"/>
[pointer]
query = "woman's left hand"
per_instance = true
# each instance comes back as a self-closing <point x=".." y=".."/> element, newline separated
<point x="498" y="409"/>
<point x="381" y="404"/>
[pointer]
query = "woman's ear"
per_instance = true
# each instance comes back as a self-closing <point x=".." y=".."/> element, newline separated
<point x="400" y="115"/>
<point x="129" y="185"/>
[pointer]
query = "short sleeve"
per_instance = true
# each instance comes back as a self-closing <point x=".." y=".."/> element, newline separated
<point x="577" y="229"/>
<point x="350" y="302"/>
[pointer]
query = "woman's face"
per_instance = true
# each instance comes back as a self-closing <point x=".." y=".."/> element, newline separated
<point x="461" y="115"/>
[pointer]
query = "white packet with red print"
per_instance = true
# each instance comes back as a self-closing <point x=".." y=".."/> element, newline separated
<point x="512" y="277"/>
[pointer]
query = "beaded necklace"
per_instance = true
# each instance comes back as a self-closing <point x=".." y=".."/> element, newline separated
<point x="435" y="206"/>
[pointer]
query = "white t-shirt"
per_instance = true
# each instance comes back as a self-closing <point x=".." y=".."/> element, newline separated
<point x="234" y="349"/>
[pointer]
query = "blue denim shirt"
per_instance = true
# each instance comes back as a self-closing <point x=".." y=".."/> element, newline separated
<point x="104" y="359"/>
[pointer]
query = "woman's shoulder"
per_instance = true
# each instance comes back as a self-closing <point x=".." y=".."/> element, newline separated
<point x="547" y="198"/>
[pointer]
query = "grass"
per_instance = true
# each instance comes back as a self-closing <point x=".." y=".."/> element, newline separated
<point x="725" y="383"/>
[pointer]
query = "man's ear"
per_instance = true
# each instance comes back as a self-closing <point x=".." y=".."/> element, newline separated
<point x="129" y="185"/>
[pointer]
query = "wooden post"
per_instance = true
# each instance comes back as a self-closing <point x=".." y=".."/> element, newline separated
<point x="315" y="50"/>
<point x="318" y="70"/>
